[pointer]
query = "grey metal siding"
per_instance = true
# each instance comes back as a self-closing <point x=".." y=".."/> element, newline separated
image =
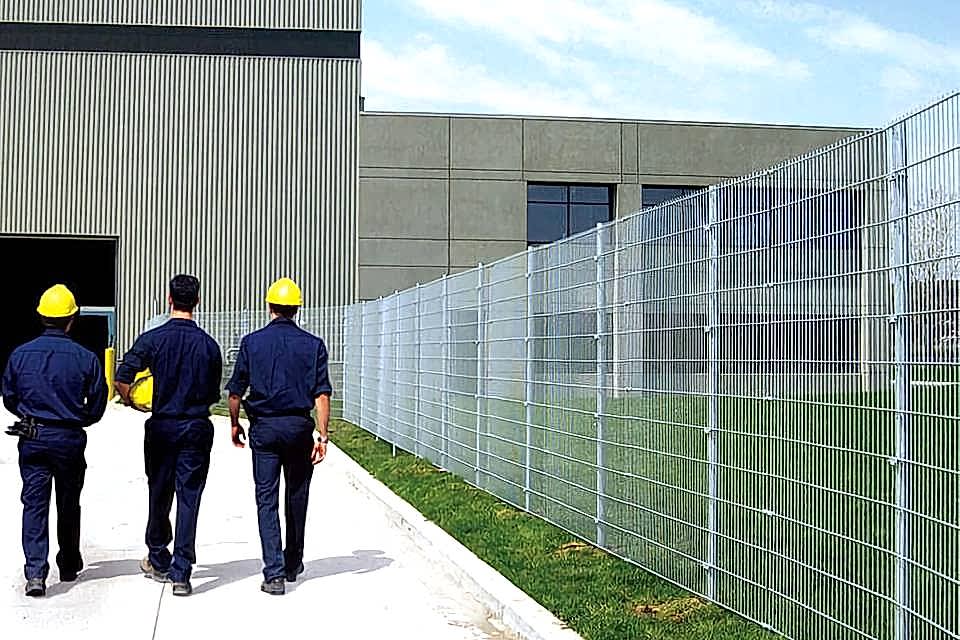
<point x="239" y="170"/>
<point x="277" y="14"/>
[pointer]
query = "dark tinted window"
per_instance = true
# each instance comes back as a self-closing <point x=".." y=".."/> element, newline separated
<point x="546" y="222"/>
<point x="555" y="211"/>
<point x="654" y="194"/>
<point x="546" y="193"/>
<point x="587" y="216"/>
<point x="590" y="195"/>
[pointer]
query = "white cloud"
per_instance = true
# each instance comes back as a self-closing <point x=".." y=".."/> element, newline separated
<point x="423" y="75"/>
<point x="898" y="80"/>
<point x="653" y="32"/>
<point x="848" y="32"/>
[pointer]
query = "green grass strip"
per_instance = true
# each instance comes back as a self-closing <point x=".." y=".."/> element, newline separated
<point x="599" y="596"/>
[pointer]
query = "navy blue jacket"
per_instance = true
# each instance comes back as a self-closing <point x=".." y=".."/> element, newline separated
<point x="186" y="367"/>
<point x="55" y="381"/>
<point x="285" y="369"/>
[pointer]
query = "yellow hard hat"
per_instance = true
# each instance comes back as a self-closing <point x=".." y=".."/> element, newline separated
<point x="141" y="391"/>
<point x="57" y="302"/>
<point x="285" y="292"/>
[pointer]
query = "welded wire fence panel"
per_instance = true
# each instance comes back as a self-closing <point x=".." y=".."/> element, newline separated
<point x="753" y="392"/>
<point x="503" y="462"/>
<point x="564" y="472"/>
<point x="658" y="408"/>
<point x="431" y="338"/>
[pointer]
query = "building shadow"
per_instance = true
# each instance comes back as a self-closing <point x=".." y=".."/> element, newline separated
<point x="361" y="561"/>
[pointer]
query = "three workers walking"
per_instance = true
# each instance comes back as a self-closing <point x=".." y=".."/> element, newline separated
<point x="56" y="388"/>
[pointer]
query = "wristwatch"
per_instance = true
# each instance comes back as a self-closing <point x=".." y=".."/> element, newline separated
<point x="323" y="440"/>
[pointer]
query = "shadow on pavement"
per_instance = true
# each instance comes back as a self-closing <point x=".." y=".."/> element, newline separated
<point x="98" y="571"/>
<point x="362" y="561"/>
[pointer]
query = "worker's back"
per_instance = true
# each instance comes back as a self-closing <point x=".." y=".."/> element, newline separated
<point x="55" y="381"/>
<point x="186" y="365"/>
<point x="285" y="368"/>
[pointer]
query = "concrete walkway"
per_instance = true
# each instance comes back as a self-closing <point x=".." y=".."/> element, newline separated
<point x="364" y="578"/>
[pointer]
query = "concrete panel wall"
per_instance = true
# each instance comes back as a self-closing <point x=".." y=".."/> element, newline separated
<point x="395" y="252"/>
<point x="472" y="144"/>
<point x="461" y="181"/>
<point x="702" y="150"/>
<point x="469" y="253"/>
<point x="488" y="210"/>
<point x="571" y="147"/>
<point x="405" y="142"/>
<point x="379" y="281"/>
<point x="410" y="208"/>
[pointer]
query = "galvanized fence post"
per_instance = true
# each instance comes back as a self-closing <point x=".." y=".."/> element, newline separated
<point x="396" y="373"/>
<point x="445" y="384"/>
<point x="601" y="396"/>
<point x="360" y="366"/>
<point x="899" y="226"/>
<point x="713" y="387"/>
<point x="528" y="379"/>
<point x="481" y="330"/>
<point x="382" y="343"/>
<point x="419" y="392"/>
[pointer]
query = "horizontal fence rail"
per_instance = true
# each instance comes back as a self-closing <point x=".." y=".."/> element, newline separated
<point x="751" y="392"/>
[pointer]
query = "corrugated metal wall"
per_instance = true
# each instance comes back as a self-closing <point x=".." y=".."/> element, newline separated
<point x="236" y="169"/>
<point x="279" y="14"/>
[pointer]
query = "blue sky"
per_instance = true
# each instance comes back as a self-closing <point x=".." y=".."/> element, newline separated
<point x="835" y="63"/>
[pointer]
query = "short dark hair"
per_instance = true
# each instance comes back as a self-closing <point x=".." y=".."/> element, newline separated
<point x="185" y="292"/>
<point x="284" y="311"/>
<point x="56" y="323"/>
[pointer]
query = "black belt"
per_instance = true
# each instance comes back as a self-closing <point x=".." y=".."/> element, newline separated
<point x="57" y="424"/>
<point x="274" y="416"/>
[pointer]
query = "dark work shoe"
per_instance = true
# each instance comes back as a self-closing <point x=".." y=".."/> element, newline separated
<point x="152" y="572"/>
<point x="70" y="576"/>
<point x="275" y="587"/>
<point x="182" y="588"/>
<point x="36" y="588"/>
<point x="292" y="575"/>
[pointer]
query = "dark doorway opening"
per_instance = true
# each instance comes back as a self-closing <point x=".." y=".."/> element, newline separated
<point x="30" y="264"/>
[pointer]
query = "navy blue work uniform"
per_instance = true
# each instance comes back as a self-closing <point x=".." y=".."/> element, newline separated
<point x="60" y="385"/>
<point x="187" y="369"/>
<point x="285" y="369"/>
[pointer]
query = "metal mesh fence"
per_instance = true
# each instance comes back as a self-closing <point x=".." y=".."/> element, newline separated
<point x="752" y="392"/>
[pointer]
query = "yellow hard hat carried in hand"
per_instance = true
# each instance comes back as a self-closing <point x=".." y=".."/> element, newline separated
<point x="57" y="302"/>
<point x="141" y="391"/>
<point x="285" y="292"/>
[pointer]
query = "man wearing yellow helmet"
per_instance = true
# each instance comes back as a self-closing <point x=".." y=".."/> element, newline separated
<point x="58" y="387"/>
<point x="186" y="368"/>
<point x="285" y="370"/>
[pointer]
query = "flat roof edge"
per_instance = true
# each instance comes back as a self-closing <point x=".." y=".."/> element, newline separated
<point x="702" y="123"/>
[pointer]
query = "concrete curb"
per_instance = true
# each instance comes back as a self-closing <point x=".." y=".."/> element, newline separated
<point x="520" y="613"/>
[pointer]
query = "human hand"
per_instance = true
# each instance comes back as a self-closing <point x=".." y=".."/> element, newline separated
<point x="319" y="452"/>
<point x="238" y="435"/>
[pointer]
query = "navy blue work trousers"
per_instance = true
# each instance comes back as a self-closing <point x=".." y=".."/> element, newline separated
<point x="282" y="445"/>
<point x="55" y="456"/>
<point x="177" y="458"/>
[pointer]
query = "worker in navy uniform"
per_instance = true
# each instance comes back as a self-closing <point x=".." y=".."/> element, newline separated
<point x="285" y="370"/>
<point x="56" y="389"/>
<point x="187" y="367"/>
